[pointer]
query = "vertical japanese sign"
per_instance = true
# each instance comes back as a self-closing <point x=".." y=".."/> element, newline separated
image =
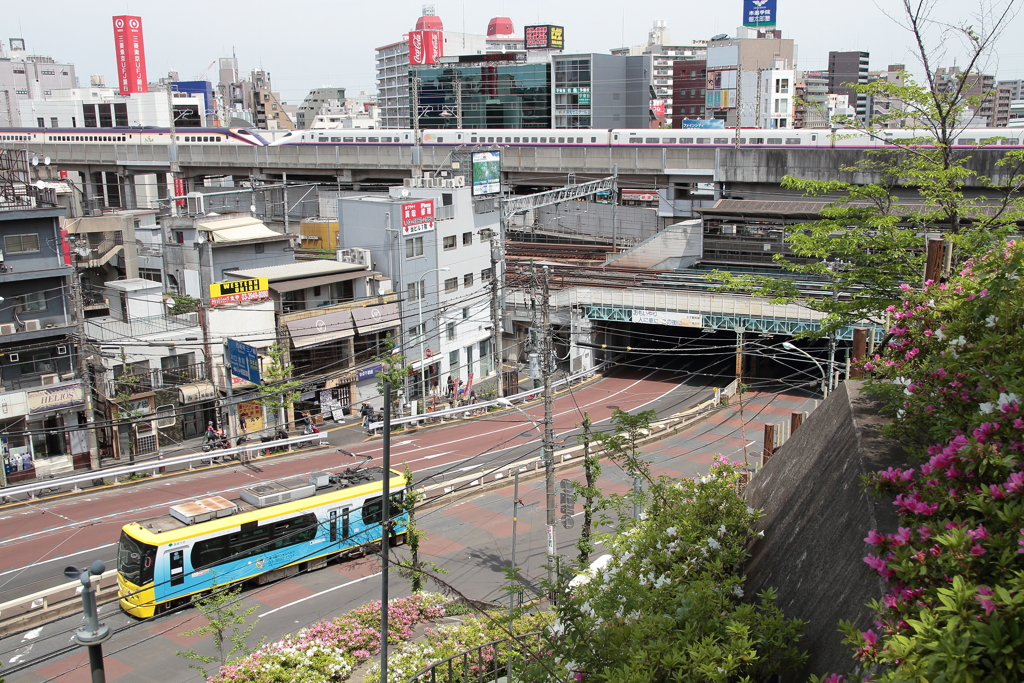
<point x="418" y="217"/>
<point x="131" y="55"/>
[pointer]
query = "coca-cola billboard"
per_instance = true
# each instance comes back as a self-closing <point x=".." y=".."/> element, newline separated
<point x="425" y="47"/>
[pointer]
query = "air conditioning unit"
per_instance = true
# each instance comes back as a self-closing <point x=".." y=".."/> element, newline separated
<point x="50" y="379"/>
<point x="192" y="317"/>
<point x="8" y="328"/>
<point x="195" y="203"/>
<point x="274" y="492"/>
<point x="32" y="326"/>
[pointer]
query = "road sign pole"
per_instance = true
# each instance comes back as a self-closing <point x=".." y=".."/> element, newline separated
<point x="230" y="413"/>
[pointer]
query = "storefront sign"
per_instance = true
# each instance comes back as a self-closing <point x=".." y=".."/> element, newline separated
<point x="639" y="195"/>
<point x="418" y="217"/>
<point x="668" y="318"/>
<point x="367" y="373"/>
<point x="239" y="291"/>
<point x="194" y="393"/>
<point x="44" y="400"/>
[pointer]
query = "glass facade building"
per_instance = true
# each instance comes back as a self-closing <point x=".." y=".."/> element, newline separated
<point x="483" y="96"/>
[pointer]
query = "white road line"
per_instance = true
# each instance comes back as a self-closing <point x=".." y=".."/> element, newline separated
<point x="308" y="597"/>
<point x="55" y="559"/>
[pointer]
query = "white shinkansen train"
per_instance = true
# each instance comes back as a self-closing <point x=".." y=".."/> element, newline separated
<point x="686" y="137"/>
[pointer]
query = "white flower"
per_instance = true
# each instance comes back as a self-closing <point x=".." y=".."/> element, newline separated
<point x="959" y="341"/>
<point x="670" y="532"/>
<point x="750" y="510"/>
<point x="721" y="531"/>
<point x="737" y="591"/>
<point x="940" y="335"/>
<point x="986" y="408"/>
<point x="1007" y="400"/>
<point x="991" y="321"/>
<point x="713" y="544"/>
<point x="761" y="533"/>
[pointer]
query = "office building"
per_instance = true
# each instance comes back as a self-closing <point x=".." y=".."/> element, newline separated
<point x="689" y="81"/>
<point x="846" y="69"/>
<point x="993" y="110"/>
<point x="736" y="75"/>
<point x="810" y="108"/>
<point x="602" y="91"/>
<point x="665" y="55"/>
<point x="25" y="77"/>
<point x="104" y="108"/>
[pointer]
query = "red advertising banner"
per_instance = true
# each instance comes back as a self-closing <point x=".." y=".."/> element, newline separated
<point x="130" y="54"/>
<point x="179" y="190"/>
<point x="418" y="217"/>
<point x="425" y="47"/>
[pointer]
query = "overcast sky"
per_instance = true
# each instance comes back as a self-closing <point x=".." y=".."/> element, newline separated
<point x="332" y="43"/>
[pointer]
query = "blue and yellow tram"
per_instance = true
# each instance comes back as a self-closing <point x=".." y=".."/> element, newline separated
<point x="271" y="531"/>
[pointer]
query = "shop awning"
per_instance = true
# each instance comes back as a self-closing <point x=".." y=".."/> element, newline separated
<point x="303" y="283"/>
<point x="239" y="230"/>
<point x="317" y="330"/>
<point x="374" y="318"/>
<point x="194" y="393"/>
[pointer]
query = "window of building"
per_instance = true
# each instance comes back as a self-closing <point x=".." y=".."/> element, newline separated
<point x="486" y="234"/>
<point x="293" y="301"/>
<point x="467" y="280"/>
<point x="467" y="239"/>
<point x="258" y="248"/>
<point x="449" y="242"/>
<point x="450" y="331"/>
<point x="486" y="274"/>
<point x="413" y="247"/>
<point x="782" y="86"/>
<point x="36" y="301"/>
<point x="453" y="362"/>
<point x="416" y="331"/>
<point x="465" y="312"/>
<point x="415" y="290"/>
<point x="451" y="284"/>
<point x="40" y="122"/>
<point x="21" y="244"/>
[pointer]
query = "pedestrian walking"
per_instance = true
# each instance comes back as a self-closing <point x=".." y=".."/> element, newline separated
<point x="307" y="423"/>
<point x="366" y="412"/>
<point x="211" y="433"/>
<point x="451" y="385"/>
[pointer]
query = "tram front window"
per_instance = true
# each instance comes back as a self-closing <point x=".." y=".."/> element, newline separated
<point x="135" y="560"/>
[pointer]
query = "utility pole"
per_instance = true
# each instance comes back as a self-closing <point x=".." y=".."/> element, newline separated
<point x="230" y="408"/>
<point x="284" y="195"/>
<point x="83" y="370"/>
<point x="172" y="155"/>
<point x="549" y="435"/>
<point x="739" y="103"/>
<point x="204" y="325"/>
<point x="414" y="114"/>
<point x="496" y="331"/>
<point x="385" y="539"/>
<point x="615" y="207"/>
<point x="458" y="101"/>
<point x="757" y="104"/>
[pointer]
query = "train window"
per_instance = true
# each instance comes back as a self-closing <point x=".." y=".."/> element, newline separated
<point x="579" y="140"/>
<point x="561" y="139"/>
<point x="793" y="141"/>
<point x="1008" y="141"/>
<point x="135" y="560"/>
<point x="515" y="139"/>
<point x="348" y="139"/>
<point x="490" y="139"/>
<point x="703" y="141"/>
<point x="322" y="140"/>
<point x="296" y="530"/>
<point x="757" y="141"/>
<point x="473" y="139"/>
<point x="360" y="139"/>
<point x="373" y="510"/>
<point x="440" y="138"/>
<point x="533" y="139"/>
<point x="685" y="141"/>
<point x="669" y="141"/>
<point x="652" y="141"/>
<point x="986" y="141"/>
<point x="542" y="139"/>
<point x="635" y="141"/>
<point x="774" y="141"/>
<point x="593" y="139"/>
<point x="966" y="141"/>
<point x="385" y="139"/>
<point x="508" y="139"/>
<point x="373" y="139"/>
<point x="721" y="141"/>
<point x="335" y="139"/>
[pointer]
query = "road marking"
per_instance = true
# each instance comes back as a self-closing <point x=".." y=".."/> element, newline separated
<point x="260" y="616"/>
<point x="33" y="634"/>
<point x="54" y="559"/>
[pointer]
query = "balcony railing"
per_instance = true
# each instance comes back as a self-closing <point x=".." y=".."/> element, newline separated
<point x="151" y="380"/>
<point x="21" y="197"/>
<point x="499" y="659"/>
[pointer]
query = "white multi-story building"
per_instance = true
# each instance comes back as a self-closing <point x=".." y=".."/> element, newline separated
<point x="664" y="54"/>
<point x="105" y="108"/>
<point x="24" y="77"/>
<point x="433" y="242"/>
<point x="393" y="59"/>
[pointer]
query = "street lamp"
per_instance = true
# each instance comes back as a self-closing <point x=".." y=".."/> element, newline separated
<point x="824" y="376"/>
<point x="422" y="333"/>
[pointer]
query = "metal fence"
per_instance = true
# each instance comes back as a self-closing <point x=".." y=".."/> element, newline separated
<point x="491" y="661"/>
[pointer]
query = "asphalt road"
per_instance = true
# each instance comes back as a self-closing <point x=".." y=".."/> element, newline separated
<point x="469" y="534"/>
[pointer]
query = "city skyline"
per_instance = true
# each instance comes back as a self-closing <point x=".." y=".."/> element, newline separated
<point x="345" y="57"/>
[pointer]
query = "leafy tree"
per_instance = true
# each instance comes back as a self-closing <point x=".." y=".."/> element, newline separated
<point x="279" y="391"/>
<point x="414" y="569"/>
<point x="128" y="413"/>
<point x="590" y="493"/>
<point x="870" y="240"/>
<point x="183" y="303"/>
<point x="395" y="369"/>
<point x="623" y="446"/>
<point x="225" y="619"/>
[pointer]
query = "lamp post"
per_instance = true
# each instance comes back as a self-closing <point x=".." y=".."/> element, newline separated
<point x="422" y="333"/>
<point x="824" y="376"/>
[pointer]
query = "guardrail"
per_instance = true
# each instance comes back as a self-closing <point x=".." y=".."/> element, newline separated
<point x="46" y="601"/>
<point x="153" y="466"/>
<point x="484" y="405"/>
<point x="481" y="663"/>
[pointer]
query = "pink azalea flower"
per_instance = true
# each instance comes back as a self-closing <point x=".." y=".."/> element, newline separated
<point x="984" y="597"/>
<point x="874" y="538"/>
<point x="976" y="549"/>
<point x="870" y="637"/>
<point x="1015" y="483"/>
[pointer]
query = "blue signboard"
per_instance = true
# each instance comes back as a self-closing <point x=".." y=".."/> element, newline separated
<point x="367" y="373"/>
<point x="703" y="123"/>
<point x="757" y="13"/>
<point x="244" y="360"/>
